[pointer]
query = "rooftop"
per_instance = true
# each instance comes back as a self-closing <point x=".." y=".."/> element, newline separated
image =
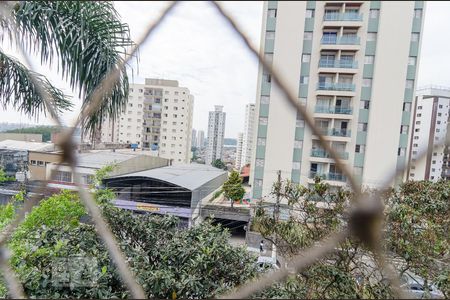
<point x="102" y="158"/>
<point x="434" y="90"/>
<point x="190" y="176"/>
<point x="29" y="146"/>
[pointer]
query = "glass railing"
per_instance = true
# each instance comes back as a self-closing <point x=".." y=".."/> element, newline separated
<point x="333" y="110"/>
<point x="349" y="64"/>
<point x="347" y="16"/>
<point x="328" y="176"/>
<point x="336" y="86"/>
<point x="323" y="154"/>
<point x="335" y="132"/>
<point x="342" y="40"/>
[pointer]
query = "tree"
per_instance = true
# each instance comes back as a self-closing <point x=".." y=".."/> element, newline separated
<point x="219" y="164"/>
<point x="4" y="177"/>
<point x="83" y="55"/>
<point x="193" y="263"/>
<point x="232" y="188"/>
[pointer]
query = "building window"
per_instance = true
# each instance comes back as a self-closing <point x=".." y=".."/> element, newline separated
<point x="409" y="84"/>
<point x="374" y="13"/>
<point x="362" y="127"/>
<point x="415" y="145"/>
<point x="417" y="122"/>
<point x="304" y="79"/>
<point x="367" y="82"/>
<point x="406" y="106"/>
<point x="364" y="104"/>
<point x="404" y="129"/>
<point x="33" y="162"/>
<point x="261" y="142"/>
<point x="419" y="107"/>
<point x="306" y="58"/>
<point x="371" y="36"/>
<point x="401" y="151"/>
<point x="258" y="182"/>
<point x="309" y="13"/>
<point x="62" y="176"/>
<point x="307" y="36"/>
<point x="358" y="170"/>
<point x="414" y="37"/>
<point x="270" y="35"/>
<point x="440" y="106"/>
<point x="360" y="148"/>
<point x="369" y="59"/>
<point x="272" y="13"/>
<point x="296" y="166"/>
<point x="417" y="13"/>
<point x="263" y="121"/>
<point x="259" y="163"/>
<point x="267" y="78"/>
<point x="300" y="123"/>
<point x="412" y="61"/>
<point x="298" y="144"/>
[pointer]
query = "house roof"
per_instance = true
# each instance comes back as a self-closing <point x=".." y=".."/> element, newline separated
<point x="98" y="160"/>
<point x="190" y="176"/>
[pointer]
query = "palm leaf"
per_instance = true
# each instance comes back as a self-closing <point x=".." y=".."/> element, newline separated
<point x="17" y="88"/>
<point x="85" y="40"/>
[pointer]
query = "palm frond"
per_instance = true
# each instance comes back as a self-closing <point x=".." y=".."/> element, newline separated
<point x="18" y="89"/>
<point x="85" y="39"/>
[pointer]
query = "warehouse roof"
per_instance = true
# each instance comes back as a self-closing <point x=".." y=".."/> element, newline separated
<point x="28" y="146"/>
<point x="190" y="176"/>
<point x="100" y="159"/>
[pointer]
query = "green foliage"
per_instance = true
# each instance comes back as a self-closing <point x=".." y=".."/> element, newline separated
<point x="102" y="173"/>
<point x="219" y="164"/>
<point x="7" y="213"/>
<point x="46" y="131"/>
<point x="4" y="177"/>
<point x="418" y="224"/>
<point x="232" y="188"/>
<point x="59" y="210"/>
<point x="84" y="39"/>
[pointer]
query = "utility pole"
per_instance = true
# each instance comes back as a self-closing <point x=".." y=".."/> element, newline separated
<point x="276" y="214"/>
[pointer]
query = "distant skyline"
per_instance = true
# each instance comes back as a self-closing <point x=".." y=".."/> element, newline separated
<point x="194" y="47"/>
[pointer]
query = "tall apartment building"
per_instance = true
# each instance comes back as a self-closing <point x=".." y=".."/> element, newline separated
<point x="431" y="123"/>
<point x="239" y="149"/>
<point x="201" y="139"/>
<point x="158" y="117"/>
<point x="249" y="132"/>
<point x="353" y="64"/>
<point x="216" y="133"/>
<point x="194" y="138"/>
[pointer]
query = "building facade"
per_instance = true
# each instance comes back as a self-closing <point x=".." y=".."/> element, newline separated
<point x="216" y="134"/>
<point x="430" y="129"/>
<point x="249" y="129"/>
<point x="158" y="118"/>
<point x="239" y="151"/>
<point x="354" y="65"/>
<point x="201" y="139"/>
<point x="194" y="138"/>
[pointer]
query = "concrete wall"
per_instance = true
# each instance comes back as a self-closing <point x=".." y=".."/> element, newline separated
<point x="37" y="170"/>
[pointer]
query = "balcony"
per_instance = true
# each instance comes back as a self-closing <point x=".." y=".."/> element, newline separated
<point x="323" y="154"/>
<point x="335" y="132"/>
<point x="345" y="64"/>
<point x="341" y="40"/>
<point x="333" y="110"/>
<point x="332" y="86"/>
<point x="328" y="176"/>
<point x="348" y="16"/>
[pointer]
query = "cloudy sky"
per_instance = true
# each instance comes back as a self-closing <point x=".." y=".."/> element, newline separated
<point x="196" y="48"/>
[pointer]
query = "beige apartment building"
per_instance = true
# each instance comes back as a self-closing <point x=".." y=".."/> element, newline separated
<point x="353" y="64"/>
<point x="158" y="118"/>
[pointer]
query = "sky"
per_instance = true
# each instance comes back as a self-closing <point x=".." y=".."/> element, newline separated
<point x="197" y="48"/>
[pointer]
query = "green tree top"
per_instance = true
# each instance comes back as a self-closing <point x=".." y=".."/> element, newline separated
<point x="232" y="188"/>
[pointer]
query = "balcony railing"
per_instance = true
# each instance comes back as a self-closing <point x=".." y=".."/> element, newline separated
<point x="335" y="132"/>
<point x="347" y="16"/>
<point x="333" y="110"/>
<point x="333" y="86"/>
<point x="348" y="64"/>
<point x="341" y="40"/>
<point x="328" y="176"/>
<point x="323" y="154"/>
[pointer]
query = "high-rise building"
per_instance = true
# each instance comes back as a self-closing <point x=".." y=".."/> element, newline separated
<point x="353" y="64"/>
<point x="239" y="149"/>
<point x="249" y="129"/>
<point x="194" y="138"/>
<point x="201" y="139"/>
<point x="216" y="132"/>
<point x="431" y="122"/>
<point x="158" y="117"/>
